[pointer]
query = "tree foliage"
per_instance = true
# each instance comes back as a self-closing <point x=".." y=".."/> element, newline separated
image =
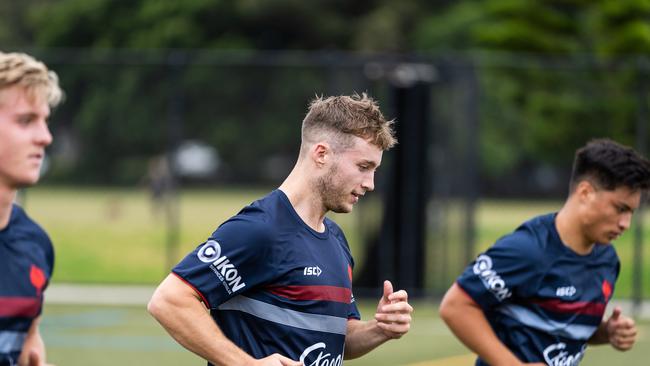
<point x="565" y="77"/>
<point x="552" y="77"/>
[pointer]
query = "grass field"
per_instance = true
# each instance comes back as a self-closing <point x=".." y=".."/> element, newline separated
<point x="107" y="336"/>
<point x="112" y="235"/>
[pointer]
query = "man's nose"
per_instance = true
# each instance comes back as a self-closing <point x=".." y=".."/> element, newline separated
<point x="369" y="182"/>
<point x="625" y="221"/>
<point x="43" y="136"/>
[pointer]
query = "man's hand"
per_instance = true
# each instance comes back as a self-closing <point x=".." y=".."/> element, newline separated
<point x="277" y="360"/>
<point x="621" y="330"/>
<point x="35" y="360"/>
<point x="393" y="312"/>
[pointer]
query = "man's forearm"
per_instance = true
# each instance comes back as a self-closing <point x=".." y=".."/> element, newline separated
<point x="467" y="321"/>
<point x="33" y="344"/>
<point x="362" y="337"/>
<point x="600" y="335"/>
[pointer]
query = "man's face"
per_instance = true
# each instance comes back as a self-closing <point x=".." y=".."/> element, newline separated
<point x="24" y="134"/>
<point x="607" y="214"/>
<point x="351" y="174"/>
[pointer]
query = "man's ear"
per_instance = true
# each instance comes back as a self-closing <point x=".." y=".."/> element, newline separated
<point x="321" y="152"/>
<point x="584" y="190"/>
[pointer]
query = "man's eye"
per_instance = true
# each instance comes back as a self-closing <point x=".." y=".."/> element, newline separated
<point x="24" y="120"/>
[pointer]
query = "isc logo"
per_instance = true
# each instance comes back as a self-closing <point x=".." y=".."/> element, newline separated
<point x="565" y="291"/>
<point x="312" y="271"/>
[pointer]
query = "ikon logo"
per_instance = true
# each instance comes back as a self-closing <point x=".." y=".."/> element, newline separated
<point x="227" y="273"/>
<point x="490" y="278"/>
<point x="312" y="271"/>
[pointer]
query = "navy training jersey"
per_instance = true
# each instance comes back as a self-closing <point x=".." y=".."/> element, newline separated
<point x="543" y="300"/>
<point x="275" y="285"/>
<point x="26" y="263"/>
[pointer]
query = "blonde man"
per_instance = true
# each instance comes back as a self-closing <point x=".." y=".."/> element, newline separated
<point x="277" y="277"/>
<point x="27" y="91"/>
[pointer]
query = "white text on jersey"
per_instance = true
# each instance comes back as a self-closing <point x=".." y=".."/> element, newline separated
<point x="312" y="271"/>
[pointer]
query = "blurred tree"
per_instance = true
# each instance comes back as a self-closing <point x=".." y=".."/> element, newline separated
<point x="125" y="110"/>
<point x="534" y="100"/>
<point x="622" y="27"/>
<point x="550" y="95"/>
<point x="276" y="24"/>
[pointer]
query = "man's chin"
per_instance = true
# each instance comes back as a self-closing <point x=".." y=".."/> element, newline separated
<point x="25" y="183"/>
<point x="342" y="209"/>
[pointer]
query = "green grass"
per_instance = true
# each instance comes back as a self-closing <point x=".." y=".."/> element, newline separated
<point x="107" y="336"/>
<point x="112" y="235"/>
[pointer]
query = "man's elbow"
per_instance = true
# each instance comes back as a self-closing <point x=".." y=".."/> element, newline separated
<point x="445" y="310"/>
<point x="158" y="304"/>
<point x="449" y="305"/>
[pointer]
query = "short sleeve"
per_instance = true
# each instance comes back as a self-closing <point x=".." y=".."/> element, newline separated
<point x="507" y="270"/>
<point x="353" y="312"/>
<point x="49" y="258"/>
<point x="233" y="260"/>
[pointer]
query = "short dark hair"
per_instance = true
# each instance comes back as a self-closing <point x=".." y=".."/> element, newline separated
<point x="610" y="165"/>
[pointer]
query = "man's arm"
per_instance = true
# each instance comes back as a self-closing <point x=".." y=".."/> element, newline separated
<point x="178" y="308"/>
<point x="467" y="321"/>
<point x="392" y="321"/>
<point x="619" y="331"/>
<point x="33" y="353"/>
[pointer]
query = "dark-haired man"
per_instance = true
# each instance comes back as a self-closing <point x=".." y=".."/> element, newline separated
<point x="538" y="295"/>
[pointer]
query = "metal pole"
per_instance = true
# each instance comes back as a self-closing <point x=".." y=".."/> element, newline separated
<point x="176" y="62"/>
<point x="641" y="145"/>
<point x="471" y="101"/>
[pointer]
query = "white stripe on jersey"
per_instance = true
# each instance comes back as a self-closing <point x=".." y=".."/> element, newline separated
<point x="11" y="341"/>
<point x="529" y="318"/>
<point x="292" y="318"/>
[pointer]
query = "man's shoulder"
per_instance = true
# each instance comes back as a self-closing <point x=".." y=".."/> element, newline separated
<point x="266" y="209"/>
<point x="261" y="219"/>
<point x="530" y="241"/>
<point x="24" y="227"/>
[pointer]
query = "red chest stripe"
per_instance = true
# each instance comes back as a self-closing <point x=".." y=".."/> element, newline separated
<point x="323" y="293"/>
<point x="578" y="307"/>
<point x="19" y="306"/>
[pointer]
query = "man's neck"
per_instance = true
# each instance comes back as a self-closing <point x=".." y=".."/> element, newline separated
<point x="569" y="228"/>
<point x="303" y="198"/>
<point x="7" y="197"/>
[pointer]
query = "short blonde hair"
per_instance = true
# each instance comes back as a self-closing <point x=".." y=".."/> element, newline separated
<point x="19" y="69"/>
<point x="341" y="117"/>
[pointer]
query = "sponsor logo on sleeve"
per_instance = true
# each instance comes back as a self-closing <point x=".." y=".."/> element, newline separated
<point x="490" y="278"/>
<point x="607" y="290"/>
<point x="38" y="278"/>
<point x="555" y="355"/>
<point x="317" y="355"/>
<point x="227" y="273"/>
